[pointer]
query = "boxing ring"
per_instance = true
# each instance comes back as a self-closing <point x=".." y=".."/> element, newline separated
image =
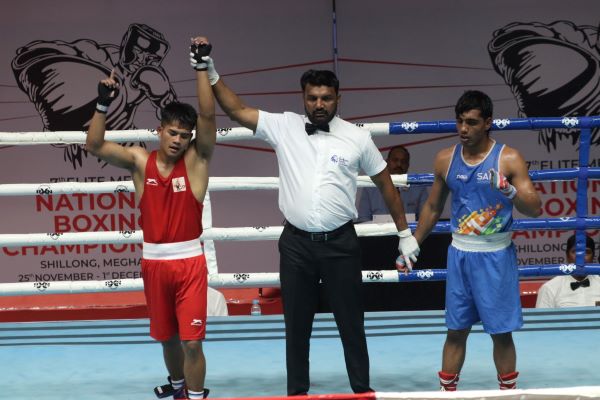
<point x="116" y="358"/>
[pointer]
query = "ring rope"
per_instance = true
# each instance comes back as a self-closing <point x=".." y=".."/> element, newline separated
<point x="581" y="222"/>
<point x="251" y="183"/>
<point x="264" y="279"/>
<point x="214" y="184"/>
<point x="247" y="233"/>
<point x="234" y="134"/>
<point x="140" y="135"/>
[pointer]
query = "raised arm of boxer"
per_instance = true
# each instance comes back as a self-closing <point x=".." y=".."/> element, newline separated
<point x="206" y="126"/>
<point x="201" y="150"/>
<point x="111" y="152"/>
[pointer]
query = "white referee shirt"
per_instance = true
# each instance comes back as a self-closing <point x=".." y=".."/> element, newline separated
<point x="557" y="293"/>
<point x="317" y="173"/>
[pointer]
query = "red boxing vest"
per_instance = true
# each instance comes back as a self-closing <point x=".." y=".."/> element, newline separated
<point x="169" y="211"/>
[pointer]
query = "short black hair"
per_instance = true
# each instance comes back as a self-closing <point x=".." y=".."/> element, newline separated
<point x="474" y="100"/>
<point x="398" y="147"/>
<point x="182" y="113"/>
<point x="589" y="243"/>
<point x="316" y="77"/>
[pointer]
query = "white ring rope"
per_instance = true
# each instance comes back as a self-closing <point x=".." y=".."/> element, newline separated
<point x="74" y="137"/>
<point x="140" y="135"/>
<point x="245" y="233"/>
<point x="221" y="280"/>
<point x="125" y="237"/>
<point x="214" y="184"/>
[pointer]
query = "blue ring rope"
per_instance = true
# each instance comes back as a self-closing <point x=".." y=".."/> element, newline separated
<point x="535" y="175"/>
<point x="583" y="173"/>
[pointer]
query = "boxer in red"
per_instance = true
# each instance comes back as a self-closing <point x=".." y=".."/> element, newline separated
<point x="170" y="185"/>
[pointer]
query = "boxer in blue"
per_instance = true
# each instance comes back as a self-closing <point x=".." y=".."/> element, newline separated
<point x="486" y="180"/>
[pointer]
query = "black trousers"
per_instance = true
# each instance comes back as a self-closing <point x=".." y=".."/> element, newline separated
<point x="336" y="262"/>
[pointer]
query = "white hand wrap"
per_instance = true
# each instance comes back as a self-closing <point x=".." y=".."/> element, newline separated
<point x="198" y="66"/>
<point x="408" y="246"/>
<point x="213" y="76"/>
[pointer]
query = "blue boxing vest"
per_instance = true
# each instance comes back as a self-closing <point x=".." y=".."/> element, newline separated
<point x="477" y="208"/>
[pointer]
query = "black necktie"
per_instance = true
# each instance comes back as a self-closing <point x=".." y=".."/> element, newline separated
<point x="312" y="129"/>
<point x="584" y="283"/>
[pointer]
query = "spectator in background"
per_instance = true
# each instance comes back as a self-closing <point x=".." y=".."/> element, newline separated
<point x="371" y="201"/>
<point x="572" y="290"/>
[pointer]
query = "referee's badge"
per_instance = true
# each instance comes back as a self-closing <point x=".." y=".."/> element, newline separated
<point x="178" y="184"/>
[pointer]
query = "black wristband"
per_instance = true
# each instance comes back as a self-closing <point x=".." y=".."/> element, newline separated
<point x="106" y="95"/>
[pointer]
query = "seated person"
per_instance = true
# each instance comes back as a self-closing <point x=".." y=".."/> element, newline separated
<point x="380" y="252"/>
<point x="216" y="305"/>
<point x="571" y="290"/>
<point x="371" y="203"/>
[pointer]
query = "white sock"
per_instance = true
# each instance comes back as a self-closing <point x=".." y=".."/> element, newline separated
<point x="177" y="384"/>
<point x="195" y="395"/>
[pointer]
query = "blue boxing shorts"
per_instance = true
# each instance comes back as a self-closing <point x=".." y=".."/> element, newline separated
<point x="483" y="286"/>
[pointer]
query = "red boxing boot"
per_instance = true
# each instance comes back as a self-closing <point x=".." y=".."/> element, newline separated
<point x="508" y="381"/>
<point x="448" y="382"/>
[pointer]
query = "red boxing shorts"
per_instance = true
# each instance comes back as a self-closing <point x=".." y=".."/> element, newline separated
<point x="176" y="297"/>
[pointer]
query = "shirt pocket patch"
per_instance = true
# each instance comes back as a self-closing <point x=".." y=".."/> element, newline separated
<point x="178" y="184"/>
<point x="339" y="159"/>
